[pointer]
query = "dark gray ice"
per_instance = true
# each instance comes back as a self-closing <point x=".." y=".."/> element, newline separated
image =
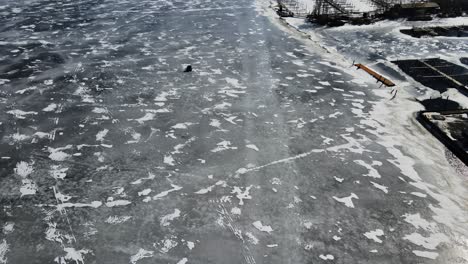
<point x="265" y="153"/>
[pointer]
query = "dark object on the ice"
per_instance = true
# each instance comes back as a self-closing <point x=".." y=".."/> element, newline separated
<point x="377" y="76"/>
<point x="283" y="11"/>
<point x="452" y="8"/>
<point x="439" y="104"/>
<point x="188" y="68"/>
<point x="450" y="127"/>
<point x="394" y="92"/>
<point x="413" y="11"/>
<point x="437" y="74"/>
<point x="455" y="31"/>
<point x="464" y="61"/>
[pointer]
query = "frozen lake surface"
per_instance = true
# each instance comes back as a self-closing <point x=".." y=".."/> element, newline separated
<point x="270" y="151"/>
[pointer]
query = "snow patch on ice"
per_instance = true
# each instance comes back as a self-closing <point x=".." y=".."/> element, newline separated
<point x="165" y="193"/>
<point x="426" y="254"/>
<point x="4" y="248"/>
<point x="50" y="107"/>
<point x="430" y="242"/>
<point x="252" y="146"/>
<point x="165" y="220"/>
<point x="327" y="257"/>
<point x="374" y="235"/>
<point x="242" y="195"/>
<point x="101" y="135"/>
<point x="223" y="145"/>
<point x="418" y="222"/>
<point x="115" y="203"/>
<point x="380" y="187"/>
<point x="23" y="168"/>
<point x="141" y="254"/>
<point x="117" y="219"/>
<point x="347" y="201"/>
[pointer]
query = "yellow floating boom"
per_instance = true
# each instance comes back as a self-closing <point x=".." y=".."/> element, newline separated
<point x="377" y="76"/>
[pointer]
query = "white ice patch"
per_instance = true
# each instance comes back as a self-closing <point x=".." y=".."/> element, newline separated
<point x="430" y="242"/>
<point x="151" y="176"/>
<point x="327" y="257"/>
<point x="168" y="244"/>
<point x="372" y="171"/>
<point x="374" y="235"/>
<point x="57" y="172"/>
<point x="210" y="188"/>
<point x="182" y="125"/>
<point x="338" y="179"/>
<point x="261" y="227"/>
<point x="326" y="140"/>
<point x="380" y="187"/>
<point x="179" y="147"/>
<point x="298" y="62"/>
<point x="205" y="190"/>
<point x="236" y="211"/>
<point x="57" y="154"/>
<point x="165" y="193"/>
<point x="28" y="187"/>
<point x="169" y="160"/>
<point x="215" y="123"/>
<point x="72" y="255"/>
<point x="353" y="145"/>
<point x="162" y="97"/>
<point x="50" y="107"/>
<point x="117" y="219"/>
<point x="252" y="238"/>
<point x="99" y="110"/>
<point x="20" y="114"/>
<point x="4" y="248"/>
<point x="144" y="192"/>
<point x="242" y="195"/>
<point x="233" y="82"/>
<point x="94" y="204"/>
<point x="8" y="228"/>
<point x="101" y="135"/>
<point x="347" y="201"/>
<point x="418" y="222"/>
<point x="222" y="106"/>
<point x="231" y="119"/>
<point x="52" y="234"/>
<point x="17" y="137"/>
<point x="136" y="138"/>
<point x="61" y="197"/>
<point x="426" y="254"/>
<point x="117" y="203"/>
<point x="231" y="92"/>
<point x="141" y="254"/>
<point x="22" y="91"/>
<point x="418" y="194"/>
<point x="252" y="146"/>
<point x="190" y="245"/>
<point x="146" y="117"/>
<point x="23" y="168"/>
<point x="308" y="224"/>
<point x="165" y="220"/>
<point x="182" y="261"/>
<point x="223" y="145"/>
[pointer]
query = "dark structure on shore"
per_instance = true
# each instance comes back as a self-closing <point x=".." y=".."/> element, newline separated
<point x="453" y="7"/>
<point x="413" y="11"/>
<point x="338" y="12"/>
